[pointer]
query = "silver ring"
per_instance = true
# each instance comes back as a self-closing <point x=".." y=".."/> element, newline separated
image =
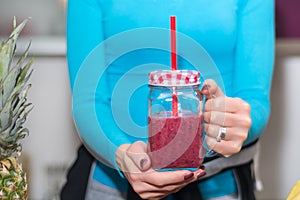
<point x="221" y="134"/>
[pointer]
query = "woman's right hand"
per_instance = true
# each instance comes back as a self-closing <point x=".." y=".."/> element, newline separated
<point x="135" y="164"/>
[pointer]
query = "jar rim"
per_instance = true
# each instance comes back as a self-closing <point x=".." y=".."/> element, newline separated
<point x="174" y="77"/>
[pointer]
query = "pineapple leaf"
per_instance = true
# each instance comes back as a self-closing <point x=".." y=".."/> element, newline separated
<point x="1" y="89"/>
<point x="7" y="112"/>
<point x="2" y="44"/>
<point x="17" y="115"/>
<point x="17" y="77"/>
<point x="24" y="70"/>
<point x="5" y="117"/>
<point x="20" y="119"/>
<point x="24" y="54"/>
<point x="9" y="83"/>
<point x="24" y="74"/>
<point x="8" y="48"/>
<point x="17" y="29"/>
<point x="18" y="96"/>
<point x="23" y="133"/>
<point x="5" y="58"/>
<point x="14" y="86"/>
<point x="8" y="148"/>
<point x="17" y="121"/>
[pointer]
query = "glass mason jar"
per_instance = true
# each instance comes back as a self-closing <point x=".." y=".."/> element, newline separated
<point x="175" y="120"/>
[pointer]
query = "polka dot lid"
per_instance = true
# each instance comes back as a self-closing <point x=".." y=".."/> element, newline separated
<point x="174" y="77"/>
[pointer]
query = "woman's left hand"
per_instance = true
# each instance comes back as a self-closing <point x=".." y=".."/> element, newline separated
<point x="227" y="120"/>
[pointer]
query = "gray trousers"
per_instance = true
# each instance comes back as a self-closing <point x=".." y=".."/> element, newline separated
<point x="99" y="191"/>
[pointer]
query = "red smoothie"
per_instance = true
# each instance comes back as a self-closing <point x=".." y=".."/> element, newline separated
<point x="175" y="142"/>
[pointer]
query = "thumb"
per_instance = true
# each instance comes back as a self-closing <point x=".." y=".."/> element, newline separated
<point x="137" y="152"/>
<point x="211" y="89"/>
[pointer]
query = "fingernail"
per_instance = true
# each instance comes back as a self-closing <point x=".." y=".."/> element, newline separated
<point x="202" y="167"/>
<point x="206" y="87"/>
<point x="188" y="176"/>
<point x="143" y="162"/>
<point x="201" y="174"/>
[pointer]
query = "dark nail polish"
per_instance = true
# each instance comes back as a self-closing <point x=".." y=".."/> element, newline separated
<point x="205" y="87"/>
<point x="202" y="167"/>
<point x="143" y="162"/>
<point x="201" y="97"/>
<point x="188" y="176"/>
<point x="201" y="174"/>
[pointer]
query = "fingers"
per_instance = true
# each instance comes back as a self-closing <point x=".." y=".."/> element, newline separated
<point x="224" y="148"/>
<point x="226" y="111"/>
<point x="230" y="114"/>
<point x="120" y="156"/>
<point x="227" y="104"/>
<point x="232" y="133"/>
<point x="226" y="119"/>
<point x="158" y="184"/>
<point x="172" y="177"/>
<point x="148" y="183"/>
<point x="212" y="130"/>
<point x="137" y="152"/>
<point x="211" y="89"/>
<point x="156" y="193"/>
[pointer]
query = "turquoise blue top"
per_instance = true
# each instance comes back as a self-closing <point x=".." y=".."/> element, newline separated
<point x="113" y="44"/>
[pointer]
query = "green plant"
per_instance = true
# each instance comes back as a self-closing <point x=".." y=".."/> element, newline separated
<point x="14" y="109"/>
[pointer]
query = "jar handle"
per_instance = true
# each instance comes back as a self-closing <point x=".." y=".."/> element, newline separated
<point x="209" y="151"/>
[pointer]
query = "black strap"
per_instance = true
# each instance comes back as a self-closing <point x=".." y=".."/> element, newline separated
<point x="77" y="177"/>
<point x="189" y="192"/>
<point x="245" y="183"/>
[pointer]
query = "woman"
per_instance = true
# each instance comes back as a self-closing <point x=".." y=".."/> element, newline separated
<point x="239" y="37"/>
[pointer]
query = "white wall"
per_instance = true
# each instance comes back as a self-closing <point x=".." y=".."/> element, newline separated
<point x="280" y="158"/>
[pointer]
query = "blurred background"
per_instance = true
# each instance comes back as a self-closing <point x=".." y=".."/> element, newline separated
<point x="52" y="144"/>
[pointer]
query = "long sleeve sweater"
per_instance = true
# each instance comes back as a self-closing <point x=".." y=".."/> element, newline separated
<point x="113" y="44"/>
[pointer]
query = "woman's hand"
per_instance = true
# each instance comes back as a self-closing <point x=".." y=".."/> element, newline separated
<point x="135" y="163"/>
<point x="221" y="112"/>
